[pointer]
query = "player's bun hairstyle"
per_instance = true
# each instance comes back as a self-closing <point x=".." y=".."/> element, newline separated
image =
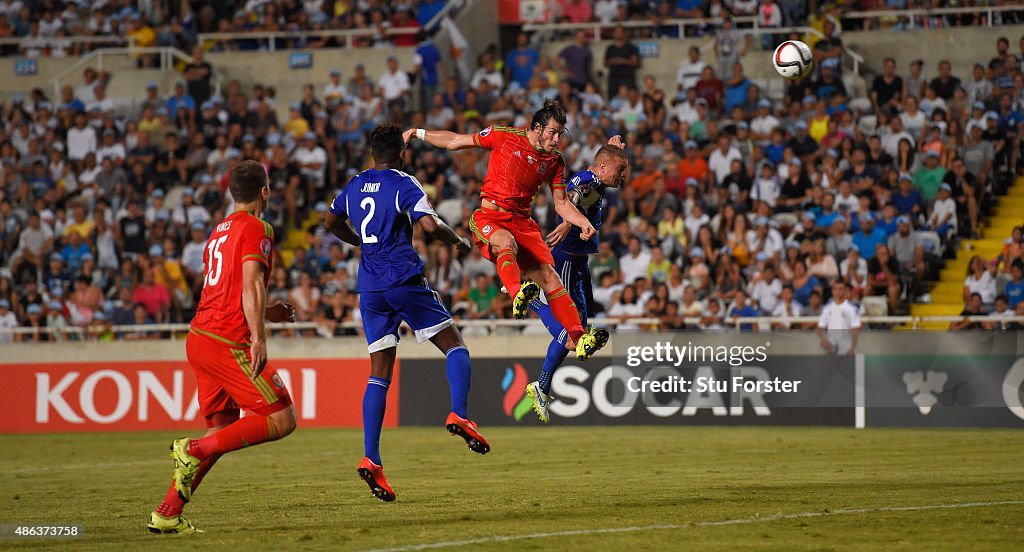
<point x="552" y="109"/>
<point x="386" y="143"/>
<point x="247" y="179"/>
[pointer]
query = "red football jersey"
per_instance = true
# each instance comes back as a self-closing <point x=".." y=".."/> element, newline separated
<point x="239" y="238"/>
<point x="516" y="170"/>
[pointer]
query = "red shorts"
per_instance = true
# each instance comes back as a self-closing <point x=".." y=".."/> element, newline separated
<point x="533" y="251"/>
<point x="222" y="377"/>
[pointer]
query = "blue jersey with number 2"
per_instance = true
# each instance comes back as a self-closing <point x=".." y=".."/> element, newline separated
<point x="383" y="205"/>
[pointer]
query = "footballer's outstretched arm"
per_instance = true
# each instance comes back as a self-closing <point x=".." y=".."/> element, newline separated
<point x="562" y="230"/>
<point x="341" y="227"/>
<point x="569" y="213"/>
<point x="433" y="225"/>
<point x="254" y="306"/>
<point x="441" y="138"/>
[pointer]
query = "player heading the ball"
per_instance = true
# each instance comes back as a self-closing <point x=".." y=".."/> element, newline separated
<point x="523" y="159"/>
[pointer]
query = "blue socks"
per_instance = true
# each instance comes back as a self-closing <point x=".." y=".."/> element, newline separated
<point x="459" y="372"/>
<point x="556" y="350"/>
<point x="554" y="358"/>
<point x="374" y="403"/>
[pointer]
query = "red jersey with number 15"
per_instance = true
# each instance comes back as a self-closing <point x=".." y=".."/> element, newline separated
<point x="516" y="170"/>
<point x="240" y="238"/>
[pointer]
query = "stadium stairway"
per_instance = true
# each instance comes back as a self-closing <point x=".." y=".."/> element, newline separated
<point x="947" y="294"/>
<point x="296" y="238"/>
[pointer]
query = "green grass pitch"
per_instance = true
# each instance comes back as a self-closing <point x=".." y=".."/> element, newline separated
<point x="560" y="488"/>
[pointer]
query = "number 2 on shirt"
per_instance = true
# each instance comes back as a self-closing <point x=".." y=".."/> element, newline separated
<point x="367" y="204"/>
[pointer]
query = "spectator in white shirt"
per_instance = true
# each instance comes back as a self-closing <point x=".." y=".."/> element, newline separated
<point x="766" y="187"/>
<point x="943" y="217"/>
<point x="192" y="253"/>
<point x="720" y="160"/>
<point x="7" y="321"/>
<point x="981" y="279"/>
<point x="487" y="72"/>
<point x="634" y="264"/>
<point x="631" y="111"/>
<point x="839" y="323"/>
<point x="765" y="290"/>
<point x="690" y="70"/>
<point x="785" y="309"/>
<point x="85" y="92"/>
<point x="854" y="269"/>
<point x="394" y="85"/>
<point x="111" y="148"/>
<point x="764" y="123"/>
<point x="81" y="139"/>
<point x="335" y="91"/>
<point x="311" y="159"/>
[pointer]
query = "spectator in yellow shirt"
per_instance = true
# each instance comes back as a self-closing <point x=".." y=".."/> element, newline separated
<point x="168" y="273"/>
<point x="144" y="37"/>
<point x="80" y="224"/>
<point x="297" y="125"/>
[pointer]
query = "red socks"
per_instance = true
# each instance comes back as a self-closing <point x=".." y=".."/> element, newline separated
<point x="508" y="271"/>
<point x="173" y="504"/>
<point x="250" y="430"/>
<point x="565" y="312"/>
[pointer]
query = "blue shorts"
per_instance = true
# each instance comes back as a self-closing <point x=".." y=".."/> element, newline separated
<point x="414" y="303"/>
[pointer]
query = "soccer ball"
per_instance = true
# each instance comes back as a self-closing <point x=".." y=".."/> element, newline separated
<point x="792" y="59"/>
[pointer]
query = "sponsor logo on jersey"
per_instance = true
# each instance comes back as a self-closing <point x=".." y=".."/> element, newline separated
<point x="530" y="159"/>
<point x="518" y="153"/>
<point x="265" y="247"/>
<point x="485" y="132"/>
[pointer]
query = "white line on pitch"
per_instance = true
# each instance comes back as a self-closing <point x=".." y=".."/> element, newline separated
<point x="738" y="521"/>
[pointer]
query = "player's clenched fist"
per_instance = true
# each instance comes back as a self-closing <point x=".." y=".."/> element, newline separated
<point x="588" y="232"/>
<point x="408" y="134"/>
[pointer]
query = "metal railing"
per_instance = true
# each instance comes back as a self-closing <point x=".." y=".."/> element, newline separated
<point x="167" y="58"/>
<point x="990" y="13"/>
<point x="44" y="42"/>
<point x="492" y="325"/>
<point x="270" y="38"/>
<point x="595" y="27"/>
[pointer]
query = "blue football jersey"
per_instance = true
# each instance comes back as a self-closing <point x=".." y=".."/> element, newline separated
<point x="383" y="205"/>
<point x="591" y="204"/>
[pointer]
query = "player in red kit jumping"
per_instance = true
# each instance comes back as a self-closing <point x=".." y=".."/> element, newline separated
<point x="521" y="161"/>
<point x="227" y="348"/>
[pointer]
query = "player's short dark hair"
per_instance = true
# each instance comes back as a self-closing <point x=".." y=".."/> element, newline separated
<point x="608" y="150"/>
<point x="247" y="179"/>
<point x="386" y="143"/>
<point x="552" y="109"/>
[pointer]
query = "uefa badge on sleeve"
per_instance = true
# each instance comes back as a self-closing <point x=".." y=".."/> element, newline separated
<point x="265" y="247"/>
<point x="485" y="132"/>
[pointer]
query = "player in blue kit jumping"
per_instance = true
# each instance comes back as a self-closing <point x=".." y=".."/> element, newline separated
<point x="572" y="258"/>
<point x="376" y="212"/>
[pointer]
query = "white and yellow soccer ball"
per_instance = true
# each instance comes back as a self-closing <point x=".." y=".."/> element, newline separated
<point x="792" y="59"/>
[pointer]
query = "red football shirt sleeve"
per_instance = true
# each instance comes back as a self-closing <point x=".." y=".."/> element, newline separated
<point x="488" y="138"/>
<point x="257" y="243"/>
<point x="558" y="175"/>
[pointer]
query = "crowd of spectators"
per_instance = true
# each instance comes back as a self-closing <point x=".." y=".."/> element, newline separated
<point x="736" y="203"/>
<point x="49" y="28"/>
